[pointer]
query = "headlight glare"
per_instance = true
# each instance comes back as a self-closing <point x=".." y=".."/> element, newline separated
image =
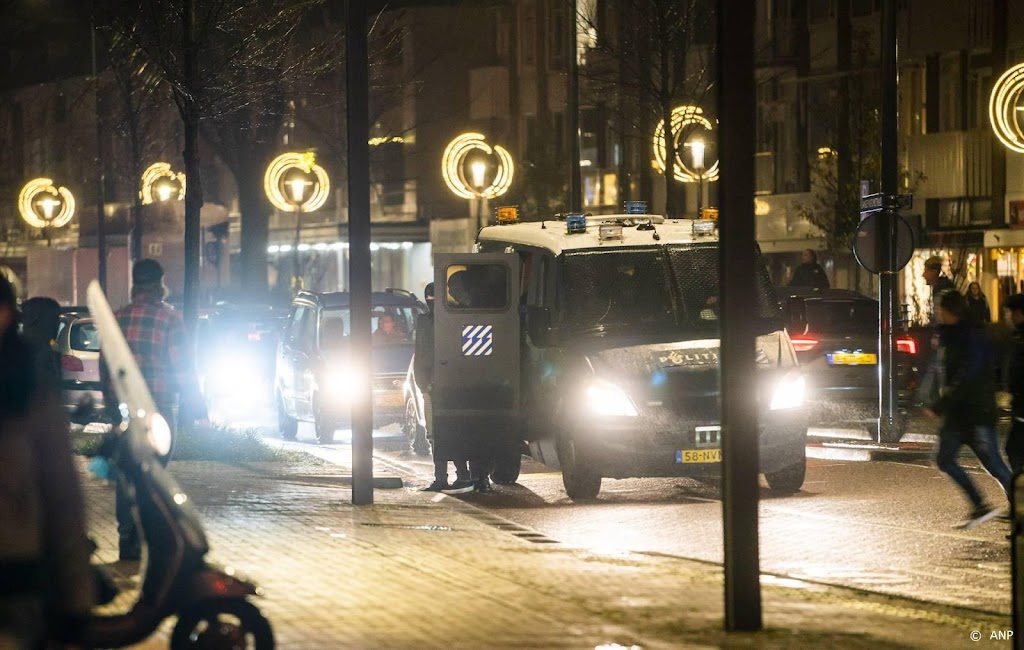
<point x="159" y="435"/>
<point x="789" y="393"/>
<point x="341" y="383"/>
<point x="604" y="398"/>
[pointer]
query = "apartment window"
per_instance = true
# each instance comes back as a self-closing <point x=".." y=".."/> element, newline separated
<point x="913" y="105"/>
<point x="529" y="33"/>
<point x="820" y="11"/>
<point x="978" y="84"/>
<point x="557" y="39"/>
<point x="949" y="93"/>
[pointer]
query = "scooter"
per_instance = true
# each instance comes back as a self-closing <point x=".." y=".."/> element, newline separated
<point x="212" y="603"/>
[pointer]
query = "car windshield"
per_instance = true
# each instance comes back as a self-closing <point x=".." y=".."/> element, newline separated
<point x="84" y="337"/>
<point x="391" y="325"/>
<point x="672" y="287"/>
<point x="841" y="316"/>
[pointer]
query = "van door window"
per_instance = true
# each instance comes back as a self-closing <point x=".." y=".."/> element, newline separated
<point x="476" y="286"/>
<point x="295" y="327"/>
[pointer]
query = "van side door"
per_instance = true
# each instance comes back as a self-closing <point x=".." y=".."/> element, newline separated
<point x="477" y="338"/>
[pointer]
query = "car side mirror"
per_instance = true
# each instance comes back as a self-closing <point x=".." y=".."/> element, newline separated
<point x="538" y="325"/>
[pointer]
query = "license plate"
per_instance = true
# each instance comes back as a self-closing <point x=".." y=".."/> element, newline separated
<point x="852" y="359"/>
<point x="389" y="399"/>
<point x="699" y="456"/>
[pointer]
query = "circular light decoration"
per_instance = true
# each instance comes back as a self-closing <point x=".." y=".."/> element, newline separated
<point x="274" y="181"/>
<point x="453" y="167"/>
<point x="1005" y="110"/>
<point x="682" y="116"/>
<point x="160" y="177"/>
<point x="44" y="206"/>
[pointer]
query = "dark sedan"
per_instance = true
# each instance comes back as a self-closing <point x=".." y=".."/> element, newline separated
<point x="835" y="335"/>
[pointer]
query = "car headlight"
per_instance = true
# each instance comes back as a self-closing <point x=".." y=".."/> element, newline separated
<point x="789" y="392"/>
<point x="159" y="435"/>
<point x="341" y="383"/>
<point x="604" y="398"/>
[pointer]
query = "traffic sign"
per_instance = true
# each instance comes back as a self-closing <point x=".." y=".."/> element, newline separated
<point x="865" y="240"/>
<point x="876" y="202"/>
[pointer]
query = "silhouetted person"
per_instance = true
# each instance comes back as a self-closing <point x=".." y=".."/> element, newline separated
<point x="40" y="322"/>
<point x="977" y="304"/>
<point x="1015" y="383"/>
<point x="46" y="584"/>
<point x="809" y="273"/>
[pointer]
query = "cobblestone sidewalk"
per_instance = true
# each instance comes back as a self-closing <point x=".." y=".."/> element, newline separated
<point x="420" y="571"/>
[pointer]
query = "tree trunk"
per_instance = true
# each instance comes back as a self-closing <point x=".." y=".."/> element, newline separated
<point x="194" y="188"/>
<point x="542" y="146"/>
<point x="255" y="230"/>
<point x="665" y="97"/>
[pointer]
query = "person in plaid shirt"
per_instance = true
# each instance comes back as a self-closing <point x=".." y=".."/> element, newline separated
<point x="156" y="335"/>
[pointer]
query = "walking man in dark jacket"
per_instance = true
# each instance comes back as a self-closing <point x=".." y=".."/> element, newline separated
<point x="1015" y="381"/>
<point x="967" y="405"/>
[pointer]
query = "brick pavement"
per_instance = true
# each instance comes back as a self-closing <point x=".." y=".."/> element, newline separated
<point x="420" y="571"/>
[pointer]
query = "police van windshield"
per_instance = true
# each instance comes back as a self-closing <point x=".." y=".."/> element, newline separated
<point x="650" y="290"/>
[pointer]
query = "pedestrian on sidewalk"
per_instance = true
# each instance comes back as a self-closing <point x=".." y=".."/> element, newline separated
<point x="809" y="273"/>
<point x="40" y="322"/>
<point x="46" y="585"/>
<point x="927" y="391"/>
<point x="977" y="304"/>
<point x="442" y="447"/>
<point x="1015" y="383"/>
<point x="967" y="405"/>
<point x="156" y="336"/>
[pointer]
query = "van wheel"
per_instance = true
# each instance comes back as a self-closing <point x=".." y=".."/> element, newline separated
<point x="788" y="480"/>
<point x="507" y="466"/>
<point x="324" y="428"/>
<point x="414" y="433"/>
<point x="286" y="424"/>
<point x="581" y="481"/>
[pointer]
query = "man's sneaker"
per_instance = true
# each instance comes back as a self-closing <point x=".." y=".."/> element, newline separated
<point x="460" y="486"/>
<point x="483" y="485"/>
<point x="979" y="516"/>
<point x="436" y="486"/>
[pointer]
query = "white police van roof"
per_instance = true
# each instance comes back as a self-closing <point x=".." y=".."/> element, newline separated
<point x="553" y="236"/>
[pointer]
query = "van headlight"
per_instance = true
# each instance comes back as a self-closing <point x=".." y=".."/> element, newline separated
<point x="341" y="383"/>
<point x="789" y="392"/>
<point x="605" y="398"/>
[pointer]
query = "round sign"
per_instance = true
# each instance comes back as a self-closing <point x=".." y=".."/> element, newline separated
<point x="866" y="238"/>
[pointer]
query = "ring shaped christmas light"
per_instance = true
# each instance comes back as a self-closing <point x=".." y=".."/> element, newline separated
<point x="1005" y="110"/>
<point x="453" y="167"/>
<point x="275" y="178"/>
<point x="682" y="116"/>
<point x="37" y="201"/>
<point x="155" y="176"/>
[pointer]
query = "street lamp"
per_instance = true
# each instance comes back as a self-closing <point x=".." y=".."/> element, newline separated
<point x="285" y="183"/>
<point x="478" y="172"/>
<point x="453" y="168"/>
<point x="697" y="152"/>
<point x="44" y="206"/>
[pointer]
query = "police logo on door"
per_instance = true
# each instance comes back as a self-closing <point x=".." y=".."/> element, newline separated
<point x="477" y="340"/>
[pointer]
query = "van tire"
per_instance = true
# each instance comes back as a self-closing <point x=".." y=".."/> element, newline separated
<point x="582" y="483"/>
<point x="788" y="480"/>
<point x="507" y="466"/>
<point x="324" y="427"/>
<point x="286" y="424"/>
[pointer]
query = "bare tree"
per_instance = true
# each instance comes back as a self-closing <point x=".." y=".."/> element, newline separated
<point x="660" y="58"/>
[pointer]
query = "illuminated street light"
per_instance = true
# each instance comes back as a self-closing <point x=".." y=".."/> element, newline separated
<point x="453" y="168"/>
<point x="167" y="183"/>
<point x="291" y="170"/>
<point x="683" y="116"/>
<point x="697" y="152"/>
<point x="38" y="204"/>
<point x="1004" y="108"/>
<point x="479" y="169"/>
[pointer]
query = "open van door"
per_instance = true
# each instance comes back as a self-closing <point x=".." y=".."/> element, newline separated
<point x="477" y="339"/>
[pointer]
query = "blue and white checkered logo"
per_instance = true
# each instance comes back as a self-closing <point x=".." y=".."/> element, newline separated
<point x="477" y="340"/>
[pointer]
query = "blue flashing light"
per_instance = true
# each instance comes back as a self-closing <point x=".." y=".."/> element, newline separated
<point x="575" y="224"/>
<point x="636" y="207"/>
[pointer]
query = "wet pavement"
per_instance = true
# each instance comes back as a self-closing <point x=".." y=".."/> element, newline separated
<point x="417" y="570"/>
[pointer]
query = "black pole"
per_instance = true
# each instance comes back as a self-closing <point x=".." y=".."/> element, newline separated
<point x="888" y="430"/>
<point x="737" y="260"/>
<point x="358" y="133"/>
<point x="575" y="173"/>
<point x="101" y="216"/>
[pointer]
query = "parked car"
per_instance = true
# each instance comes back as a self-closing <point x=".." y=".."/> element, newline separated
<point x="415" y="425"/>
<point x="835" y="335"/>
<point x="314" y="377"/>
<point x="78" y="343"/>
<point x="235" y="355"/>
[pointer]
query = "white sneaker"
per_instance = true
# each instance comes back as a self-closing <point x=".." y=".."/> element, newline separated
<point x="979" y="516"/>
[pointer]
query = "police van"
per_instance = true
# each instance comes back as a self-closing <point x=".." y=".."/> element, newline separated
<point x="594" y="340"/>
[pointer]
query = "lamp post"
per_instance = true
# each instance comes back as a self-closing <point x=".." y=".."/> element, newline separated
<point x="43" y="205"/>
<point x="296" y="192"/>
<point x="697" y="152"/>
<point x="478" y="172"/>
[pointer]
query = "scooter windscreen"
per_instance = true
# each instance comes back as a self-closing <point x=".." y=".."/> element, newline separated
<point x="148" y="432"/>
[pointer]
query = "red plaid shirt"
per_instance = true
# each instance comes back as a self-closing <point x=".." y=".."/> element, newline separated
<point x="156" y="335"/>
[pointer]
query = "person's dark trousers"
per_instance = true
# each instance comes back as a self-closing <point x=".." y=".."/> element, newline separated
<point x="982" y="441"/>
<point x="1015" y="445"/>
<point x="128" y="542"/>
